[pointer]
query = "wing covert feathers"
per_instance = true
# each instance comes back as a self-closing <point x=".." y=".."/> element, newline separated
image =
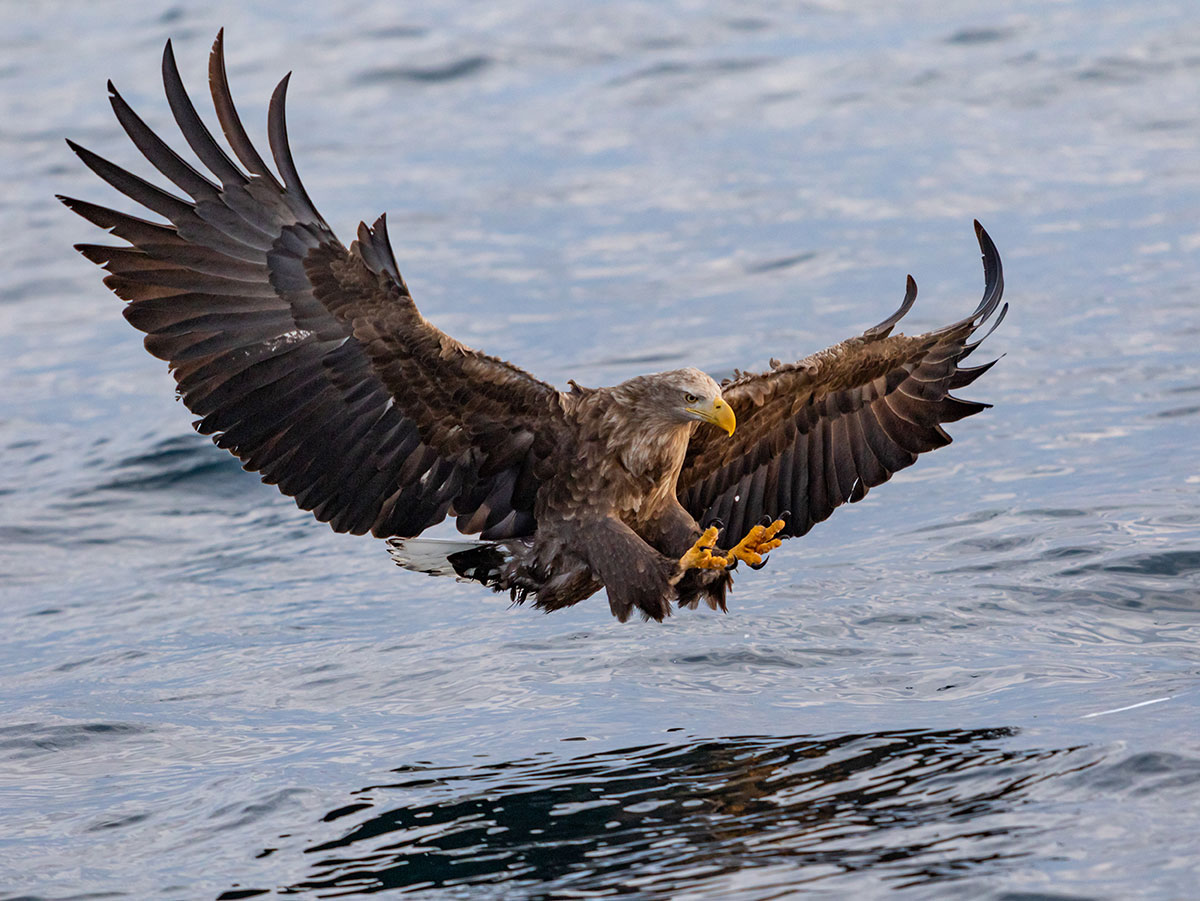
<point x="824" y="430"/>
<point x="281" y="340"/>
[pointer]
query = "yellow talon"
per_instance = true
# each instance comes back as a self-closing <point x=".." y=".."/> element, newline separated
<point x="700" y="555"/>
<point x="758" y="541"/>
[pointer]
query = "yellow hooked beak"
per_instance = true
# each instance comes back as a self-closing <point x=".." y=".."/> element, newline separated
<point x="718" y="413"/>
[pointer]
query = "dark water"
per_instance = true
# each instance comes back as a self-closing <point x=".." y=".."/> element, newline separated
<point x="980" y="682"/>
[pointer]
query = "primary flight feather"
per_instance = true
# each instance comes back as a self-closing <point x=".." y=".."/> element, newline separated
<point x="311" y="363"/>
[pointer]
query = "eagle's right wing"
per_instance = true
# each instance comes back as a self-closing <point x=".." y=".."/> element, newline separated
<point x="308" y="360"/>
<point x="817" y="433"/>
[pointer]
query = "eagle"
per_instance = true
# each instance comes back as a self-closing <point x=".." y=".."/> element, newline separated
<point x="310" y="362"/>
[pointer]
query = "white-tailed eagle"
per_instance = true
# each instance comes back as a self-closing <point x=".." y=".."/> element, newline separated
<point x="311" y="363"/>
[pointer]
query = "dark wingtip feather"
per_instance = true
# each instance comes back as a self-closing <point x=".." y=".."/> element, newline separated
<point x="883" y="329"/>
<point x="168" y="58"/>
<point x="192" y="127"/>
<point x="148" y="195"/>
<point x="385" y="241"/>
<point x="231" y="123"/>
<point x="967" y="348"/>
<point x="130" y="228"/>
<point x="88" y="210"/>
<point x="96" y="253"/>
<point x="277" y="136"/>
<point x="157" y="152"/>
<point x="955" y="408"/>
<point x="993" y="274"/>
<point x="965" y="375"/>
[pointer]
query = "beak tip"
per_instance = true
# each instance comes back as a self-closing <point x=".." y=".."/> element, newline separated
<point x="719" y="414"/>
<point x="725" y="417"/>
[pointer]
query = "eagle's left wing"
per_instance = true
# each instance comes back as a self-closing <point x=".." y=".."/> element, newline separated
<point x="306" y="359"/>
<point x="815" y="434"/>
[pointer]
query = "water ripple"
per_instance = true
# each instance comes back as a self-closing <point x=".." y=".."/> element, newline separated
<point x="451" y="70"/>
<point x="32" y="739"/>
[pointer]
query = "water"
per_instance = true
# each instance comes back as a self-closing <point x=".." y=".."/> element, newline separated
<point x="206" y="694"/>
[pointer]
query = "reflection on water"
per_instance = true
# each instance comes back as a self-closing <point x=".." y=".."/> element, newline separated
<point x="923" y="805"/>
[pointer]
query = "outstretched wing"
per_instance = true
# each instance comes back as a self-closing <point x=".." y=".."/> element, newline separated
<point x="261" y="313"/>
<point x="814" y="434"/>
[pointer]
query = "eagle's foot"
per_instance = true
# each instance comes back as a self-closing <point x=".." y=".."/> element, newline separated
<point x="758" y="541"/>
<point x="700" y="555"/>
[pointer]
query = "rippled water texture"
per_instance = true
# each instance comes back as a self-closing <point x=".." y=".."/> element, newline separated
<point x="980" y="682"/>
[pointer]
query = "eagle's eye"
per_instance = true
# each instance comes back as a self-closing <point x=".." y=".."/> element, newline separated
<point x="690" y="398"/>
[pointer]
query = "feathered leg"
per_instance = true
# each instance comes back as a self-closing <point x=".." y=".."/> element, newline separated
<point x="635" y="575"/>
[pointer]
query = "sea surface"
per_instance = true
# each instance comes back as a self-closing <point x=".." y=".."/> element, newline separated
<point x="981" y="682"/>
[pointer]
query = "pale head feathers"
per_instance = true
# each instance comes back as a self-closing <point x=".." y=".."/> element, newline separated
<point x="662" y="398"/>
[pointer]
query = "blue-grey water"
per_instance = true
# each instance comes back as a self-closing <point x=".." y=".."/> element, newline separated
<point x="983" y="681"/>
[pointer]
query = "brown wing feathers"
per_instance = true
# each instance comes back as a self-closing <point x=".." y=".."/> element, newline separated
<point x="225" y="293"/>
<point x="815" y="434"/>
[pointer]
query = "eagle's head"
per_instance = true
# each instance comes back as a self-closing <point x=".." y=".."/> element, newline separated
<point x="679" y="397"/>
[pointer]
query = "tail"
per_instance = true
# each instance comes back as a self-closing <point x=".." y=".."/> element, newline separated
<point x="467" y="561"/>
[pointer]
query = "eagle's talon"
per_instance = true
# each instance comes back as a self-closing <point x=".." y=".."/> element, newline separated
<point x="758" y="541"/>
<point x="700" y="555"/>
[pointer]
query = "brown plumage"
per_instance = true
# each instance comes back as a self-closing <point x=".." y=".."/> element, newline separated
<point x="310" y="362"/>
